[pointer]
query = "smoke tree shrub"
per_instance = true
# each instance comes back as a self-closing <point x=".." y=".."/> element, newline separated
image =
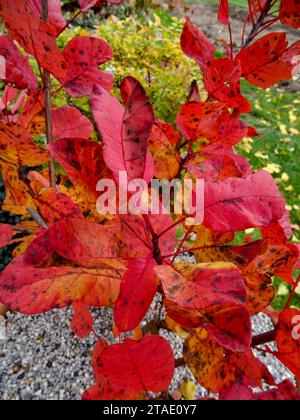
<point x="70" y="255"/>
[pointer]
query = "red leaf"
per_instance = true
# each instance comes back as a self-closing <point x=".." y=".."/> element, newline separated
<point x="69" y="123"/>
<point x="84" y="54"/>
<point x="210" y="120"/>
<point x="134" y="367"/>
<point x="6" y="234"/>
<point x="33" y="290"/>
<point x="222" y="81"/>
<point x="56" y="18"/>
<point x="215" y="297"/>
<point x="18" y="71"/>
<point x="35" y="36"/>
<point x="254" y="201"/>
<point x="18" y="148"/>
<point x="138" y="241"/>
<point x="82" y="322"/>
<point x="289" y="13"/>
<point x="196" y="45"/>
<point x="215" y="368"/>
<point x="54" y="206"/>
<point x="85" y="5"/>
<point x="125" y="133"/>
<point x="162" y="141"/>
<point x="288" y="340"/>
<point x="267" y="53"/>
<point x="77" y="240"/>
<point x="138" y="288"/>
<point x="222" y="163"/>
<point x="223" y="14"/>
<point x="83" y="162"/>
<point x="281" y="256"/>
<point x="231" y="327"/>
<point x="285" y="391"/>
<point x="256" y="7"/>
<point x="237" y="392"/>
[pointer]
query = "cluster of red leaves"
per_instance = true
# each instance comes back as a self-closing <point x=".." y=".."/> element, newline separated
<point x="68" y="254"/>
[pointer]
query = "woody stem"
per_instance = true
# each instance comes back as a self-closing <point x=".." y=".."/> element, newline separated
<point x="264" y="338"/>
<point x="47" y="98"/>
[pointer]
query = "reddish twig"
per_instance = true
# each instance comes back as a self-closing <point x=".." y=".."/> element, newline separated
<point x="268" y="337"/>
<point x="69" y="22"/>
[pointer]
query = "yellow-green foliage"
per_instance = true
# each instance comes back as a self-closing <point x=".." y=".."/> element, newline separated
<point x="151" y="52"/>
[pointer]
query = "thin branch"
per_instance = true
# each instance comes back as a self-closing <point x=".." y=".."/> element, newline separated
<point x="179" y="362"/>
<point x="47" y="98"/>
<point x="37" y="218"/>
<point x="69" y="23"/>
<point x="268" y="337"/>
<point x="21" y="229"/>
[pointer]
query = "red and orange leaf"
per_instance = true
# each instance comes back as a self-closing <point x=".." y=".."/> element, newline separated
<point x="135" y="367"/>
<point x="222" y="81"/>
<point x="213" y="295"/>
<point x="83" y="162"/>
<point x="35" y="36"/>
<point x="230" y="326"/>
<point x="18" y="148"/>
<point x="210" y="120"/>
<point x="76" y="240"/>
<point x="254" y="201"/>
<point x="162" y="141"/>
<point x="69" y="123"/>
<point x="17" y="199"/>
<point x="18" y="71"/>
<point x="196" y="45"/>
<point x="288" y="340"/>
<point x="82" y="322"/>
<point x="84" y="54"/>
<point x="138" y="288"/>
<point x="126" y="132"/>
<point x="214" y="368"/>
<point x="221" y="163"/>
<point x="54" y="206"/>
<point x="32" y="117"/>
<point x="289" y="13"/>
<point x="268" y="53"/>
<point x="6" y="235"/>
<point x="33" y="290"/>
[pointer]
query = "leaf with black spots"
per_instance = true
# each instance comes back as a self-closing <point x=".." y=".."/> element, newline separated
<point x="37" y="37"/>
<point x="196" y="45"/>
<point x="125" y="132"/>
<point x="84" y="54"/>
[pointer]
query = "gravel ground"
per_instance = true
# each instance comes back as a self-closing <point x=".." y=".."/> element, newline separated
<point x="42" y="360"/>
